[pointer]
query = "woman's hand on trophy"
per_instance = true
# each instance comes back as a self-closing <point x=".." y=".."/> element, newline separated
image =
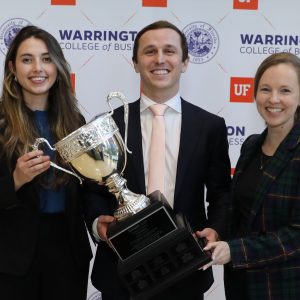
<point x="220" y="253"/>
<point x="29" y="166"/>
<point x="102" y="225"/>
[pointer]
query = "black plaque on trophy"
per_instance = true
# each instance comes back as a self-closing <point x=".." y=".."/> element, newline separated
<point x="156" y="248"/>
<point x="144" y="228"/>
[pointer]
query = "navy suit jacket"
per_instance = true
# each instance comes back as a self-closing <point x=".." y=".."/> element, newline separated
<point x="203" y="161"/>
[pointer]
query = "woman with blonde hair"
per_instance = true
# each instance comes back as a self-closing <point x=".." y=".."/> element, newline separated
<point x="262" y="255"/>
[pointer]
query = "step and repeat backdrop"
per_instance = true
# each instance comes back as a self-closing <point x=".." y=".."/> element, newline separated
<point x="227" y="41"/>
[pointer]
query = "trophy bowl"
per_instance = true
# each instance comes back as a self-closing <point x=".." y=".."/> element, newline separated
<point x="96" y="151"/>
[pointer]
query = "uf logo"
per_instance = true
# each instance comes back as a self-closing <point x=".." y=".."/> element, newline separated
<point x="63" y="2"/>
<point x="155" y="3"/>
<point x="245" y="4"/>
<point x="241" y="89"/>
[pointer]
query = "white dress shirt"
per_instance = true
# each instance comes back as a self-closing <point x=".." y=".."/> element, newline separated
<point x="173" y="118"/>
<point x="173" y="128"/>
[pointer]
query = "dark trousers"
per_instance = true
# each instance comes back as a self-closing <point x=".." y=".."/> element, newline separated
<point x="179" y="295"/>
<point x="182" y="290"/>
<point x="183" y="295"/>
<point x="179" y="291"/>
<point x="53" y="274"/>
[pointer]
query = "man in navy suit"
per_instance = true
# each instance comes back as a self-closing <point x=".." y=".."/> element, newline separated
<point x="196" y="158"/>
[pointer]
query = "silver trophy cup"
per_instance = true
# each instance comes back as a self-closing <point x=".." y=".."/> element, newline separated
<point x="96" y="151"/>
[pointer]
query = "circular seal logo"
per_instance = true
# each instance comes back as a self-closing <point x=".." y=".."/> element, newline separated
<point x="202" y="40"/>
<point x="95" y="296"/>
<point x="8" y="31"/>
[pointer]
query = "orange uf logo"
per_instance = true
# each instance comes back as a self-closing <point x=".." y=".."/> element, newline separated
<point x="63" y="2"/>
<point x="155" y="3"/>
<point x="245" y="4"/>
<point x="241" y="89"/>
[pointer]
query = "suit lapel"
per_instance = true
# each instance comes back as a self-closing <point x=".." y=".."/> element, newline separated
<point x="135" y="145"/>
<point x="187" y="145"/>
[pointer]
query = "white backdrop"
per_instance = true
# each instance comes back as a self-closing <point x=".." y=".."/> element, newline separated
<point x="227" y="41"/>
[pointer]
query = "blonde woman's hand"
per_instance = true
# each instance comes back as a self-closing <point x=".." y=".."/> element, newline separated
<point x="29" y="166"/>
<point x="220" y="253"/>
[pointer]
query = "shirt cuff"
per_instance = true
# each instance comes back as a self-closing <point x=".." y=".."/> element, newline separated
<point x="95" y="232"/>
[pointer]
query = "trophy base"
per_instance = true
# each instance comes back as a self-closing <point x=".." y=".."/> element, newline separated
<point x="156" y="248"/>
<point x="162" y="264"/>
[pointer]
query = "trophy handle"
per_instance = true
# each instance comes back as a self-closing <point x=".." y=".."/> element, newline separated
<point x="121" y="97"/>
<point x="35" y="146"/>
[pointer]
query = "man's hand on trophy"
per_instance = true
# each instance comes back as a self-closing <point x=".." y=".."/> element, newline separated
<point x="102" y="225"/>
<point x="102" y="183"/>
<point x="208" y="234"/>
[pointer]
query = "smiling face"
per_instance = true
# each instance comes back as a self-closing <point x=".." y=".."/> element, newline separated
<point x="159" y="62"/>
<point x="35" y="72"/>
<point x="278" y="96"/>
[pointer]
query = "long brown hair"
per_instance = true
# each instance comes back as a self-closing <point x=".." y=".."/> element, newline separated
<point x="18" y="131"/>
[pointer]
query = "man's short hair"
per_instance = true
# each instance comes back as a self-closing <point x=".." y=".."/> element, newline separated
<point x="161" y="25"/>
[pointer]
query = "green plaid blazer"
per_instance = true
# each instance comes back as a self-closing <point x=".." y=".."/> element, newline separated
<point x="269" y="253"/>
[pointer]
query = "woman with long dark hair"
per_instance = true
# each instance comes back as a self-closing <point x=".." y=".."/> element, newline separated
<point x="44" y="247"/>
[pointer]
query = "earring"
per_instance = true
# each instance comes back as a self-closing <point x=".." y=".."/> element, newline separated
<point x="16" y="79"/>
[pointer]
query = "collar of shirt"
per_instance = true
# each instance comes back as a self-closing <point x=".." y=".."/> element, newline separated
<point x="174" y="103"/>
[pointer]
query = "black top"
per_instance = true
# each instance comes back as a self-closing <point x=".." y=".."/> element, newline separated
<point x="247" y="185"/>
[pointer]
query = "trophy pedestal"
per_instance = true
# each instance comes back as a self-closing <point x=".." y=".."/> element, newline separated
<point x="156" y="249"/>
<point x="162" y="264"/>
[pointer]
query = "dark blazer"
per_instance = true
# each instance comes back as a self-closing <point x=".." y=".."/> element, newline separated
<point x="269" y="252"/>
<point x="19" y="224"/>
<point x="202" y="162"/>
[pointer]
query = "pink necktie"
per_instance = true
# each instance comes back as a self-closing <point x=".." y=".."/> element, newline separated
<point x="157" y="149"/>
